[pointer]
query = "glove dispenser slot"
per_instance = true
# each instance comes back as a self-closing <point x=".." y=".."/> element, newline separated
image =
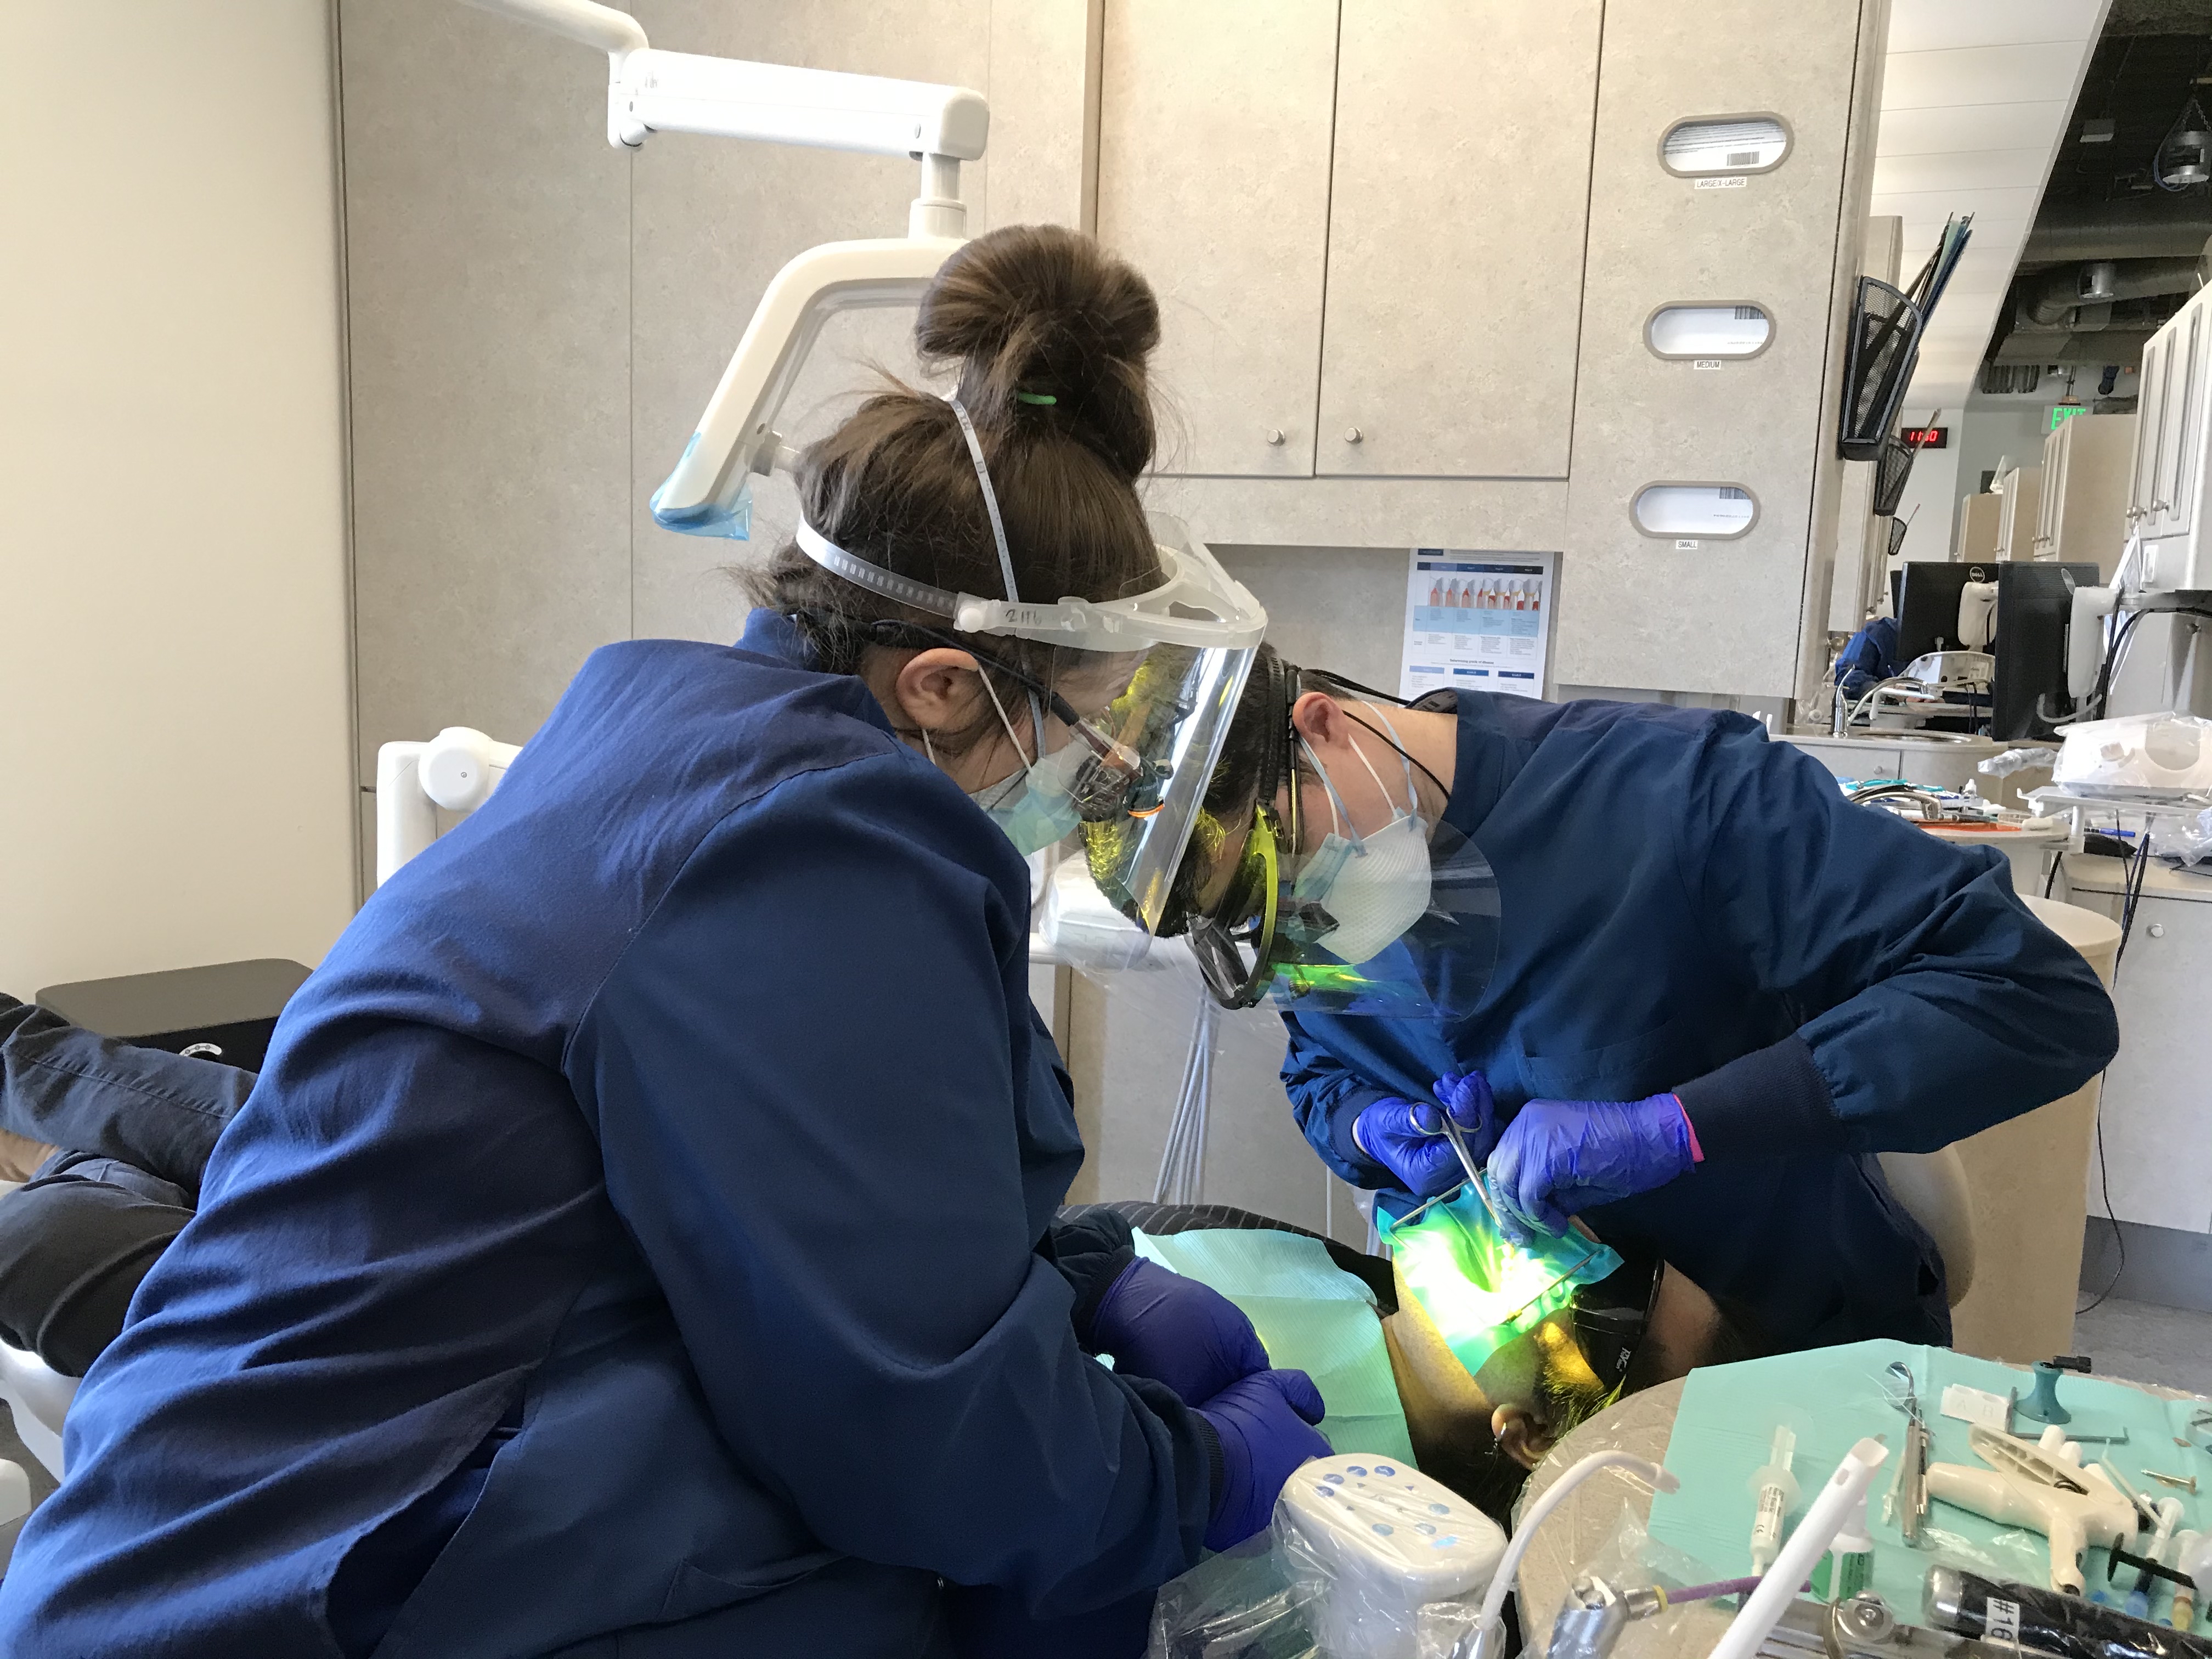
<point x="1690" y="329"/>
<point x="1724" y="143"/>
<point x="1708" y="511"/>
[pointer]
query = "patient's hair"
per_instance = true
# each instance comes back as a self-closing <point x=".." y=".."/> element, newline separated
<point x="1050" y="334"/>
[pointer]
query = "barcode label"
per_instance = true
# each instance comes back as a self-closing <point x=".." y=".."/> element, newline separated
<point x="1743" y="158"/>
<point x="1748" y="313"/>
<point x="2003" y="1621"/>
<point x="1729" y="493"/>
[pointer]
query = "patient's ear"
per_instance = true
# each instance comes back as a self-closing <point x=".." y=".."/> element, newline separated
<point x="1521" y="1435"/>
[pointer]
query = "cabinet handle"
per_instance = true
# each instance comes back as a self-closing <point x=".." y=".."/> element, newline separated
<point x="1352" y="434"/>
<point x="1274" y="436"/>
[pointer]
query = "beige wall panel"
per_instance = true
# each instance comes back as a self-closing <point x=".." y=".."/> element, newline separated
<point x="1523" y="515"/>
<point x="1339" y="608"/>
<point x="178" y="753"/>
<point x="1655" y="239"/>
<point x="1456" y="217"/>
<point x="1214" y="151"/>
<point x="487" y="264"/>
<point x="715" y="218"/>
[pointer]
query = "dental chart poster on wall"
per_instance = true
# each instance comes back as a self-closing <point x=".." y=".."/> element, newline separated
<point x="1476" y="618"/>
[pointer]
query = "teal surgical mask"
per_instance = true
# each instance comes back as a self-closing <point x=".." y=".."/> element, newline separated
<point x="1358" y="893"/>
<point x="1036" y="806"/>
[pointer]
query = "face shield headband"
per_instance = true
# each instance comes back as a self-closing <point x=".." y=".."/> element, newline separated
<point x="1145" y="758"/>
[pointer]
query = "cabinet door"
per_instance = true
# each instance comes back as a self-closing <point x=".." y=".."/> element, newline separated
<point x="2185" y="436"/>
<point x="1458" y="203"/>
<point x="2055" y="451"/>
<point x="1213" y="141"/>
<point x="2150" y="409"/>
<point x="2157" y="1094"/>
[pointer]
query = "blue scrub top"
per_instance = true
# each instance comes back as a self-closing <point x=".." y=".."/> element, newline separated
<point x="1687" y="907"/>
<point x="654" y="1182"/>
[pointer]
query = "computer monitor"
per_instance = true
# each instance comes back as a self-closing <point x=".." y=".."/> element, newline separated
<point x="2035" y="607"/>
<point x="1927" y="611"/>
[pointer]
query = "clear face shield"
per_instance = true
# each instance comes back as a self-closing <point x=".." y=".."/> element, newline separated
<point x="1169" y="663"/>
<point x="1315" y="917"/>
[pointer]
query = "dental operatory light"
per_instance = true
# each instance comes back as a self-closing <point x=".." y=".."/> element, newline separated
<point x="649" y="91"/>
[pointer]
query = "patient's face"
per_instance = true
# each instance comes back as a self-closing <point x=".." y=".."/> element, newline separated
<point x="1480" y="1433"/>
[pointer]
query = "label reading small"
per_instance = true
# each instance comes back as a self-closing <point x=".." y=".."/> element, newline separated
<point x="2004" y="1625"/>
<point x="1734" y="181"/>
<point x="1687" y="547"/>
<point x="1706" y="363"/>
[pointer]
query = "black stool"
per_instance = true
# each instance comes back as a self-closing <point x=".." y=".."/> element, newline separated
<point x="224" y="1012"/>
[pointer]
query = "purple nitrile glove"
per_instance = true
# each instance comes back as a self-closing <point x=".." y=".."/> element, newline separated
<point x="1408" y="1138"/>
<point x="1560" y="1157"/>
<point x="1264" y="1424"/>
<point x="1176" y="1330"/>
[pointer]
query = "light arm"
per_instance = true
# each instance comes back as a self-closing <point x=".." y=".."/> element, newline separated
<point x="458" y="769"/>
<point x="709" y="494"/>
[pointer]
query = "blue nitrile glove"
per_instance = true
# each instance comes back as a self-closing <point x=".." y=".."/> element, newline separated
<point x="1560" y="1157"/>
<point x="1265" y="1425"/>
<point x="1176" y="1330"/>
<point x="1408" y="1140"/>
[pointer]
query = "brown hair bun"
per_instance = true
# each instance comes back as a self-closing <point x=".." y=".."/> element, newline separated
<point x="1044" y="310"/>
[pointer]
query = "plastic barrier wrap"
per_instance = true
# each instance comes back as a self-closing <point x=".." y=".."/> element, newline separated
<point x="1968" y="1604"/>
<point x="1365" y="1559"/>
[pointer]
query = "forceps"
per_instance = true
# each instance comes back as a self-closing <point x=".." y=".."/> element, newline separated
<point x="1457" y="1136"/>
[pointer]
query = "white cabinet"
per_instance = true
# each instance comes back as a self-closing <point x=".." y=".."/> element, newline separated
<point x="2173" y="510"/>
<point x="1367" y="238"/>
<point x="1215" y="184"/>
<point x="1214" y="179"/>
<point x="2018" y="508"/>
<point x="2084" y="512"/>
<point x="1978" y="523"/>
<point x="2165" y="506"/>
<point x="2158" y="1094"/>
<point x="1458" y="200"/>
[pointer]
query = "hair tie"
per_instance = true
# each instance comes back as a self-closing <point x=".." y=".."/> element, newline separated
<point x="1043" y="398"/>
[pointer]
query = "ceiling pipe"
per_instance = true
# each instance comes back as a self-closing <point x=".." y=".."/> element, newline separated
<point x="2112" y="345"/>
<point x="2057" y="295"/>
<point x="2168" y="224"/>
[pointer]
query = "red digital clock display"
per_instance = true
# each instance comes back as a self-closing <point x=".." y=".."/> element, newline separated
<point x="1926" y="437"/>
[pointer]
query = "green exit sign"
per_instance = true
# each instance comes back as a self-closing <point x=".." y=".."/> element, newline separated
<point x="2062" y="413"/>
